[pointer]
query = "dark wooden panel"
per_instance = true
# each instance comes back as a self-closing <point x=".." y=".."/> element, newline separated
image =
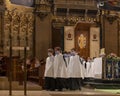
<point x="111" y="37"/>
<point x="58" y="37"/>
<point x="3" y="66"/>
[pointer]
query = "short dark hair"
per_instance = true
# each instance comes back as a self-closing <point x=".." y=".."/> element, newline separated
<point x="73" y="49"/>
<point x="58" y="48"/>
<point x="50" y="50"/>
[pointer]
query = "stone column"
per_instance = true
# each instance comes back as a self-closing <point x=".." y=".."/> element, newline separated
<point x="42" y="36"/>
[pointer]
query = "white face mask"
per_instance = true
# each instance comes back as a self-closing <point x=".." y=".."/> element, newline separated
<point x="72" y="53"/>
<point x="88" y="60"/>
<point x="57" y="52"/>
<point x="49" y="54"/>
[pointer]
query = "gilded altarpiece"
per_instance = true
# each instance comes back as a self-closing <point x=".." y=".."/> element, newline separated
<point x="20" y="27"/>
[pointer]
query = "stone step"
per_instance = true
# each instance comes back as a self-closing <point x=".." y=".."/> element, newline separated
<point x="94" y="83"/>
<point x="3" y="78"/>
<point x="4" y="85"/>
<point x="102" y="80"/>
<point x="102" y="83"/>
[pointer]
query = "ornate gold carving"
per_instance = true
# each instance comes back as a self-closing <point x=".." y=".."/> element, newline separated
<point x="82" y="41"/>
<point x="16" y="19"/>
<point x="22" y="27"/>
<point x="42" y="8"/>
<point x="111" y="19"/>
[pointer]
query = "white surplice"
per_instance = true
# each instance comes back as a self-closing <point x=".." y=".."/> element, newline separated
<point x="49" y="67"/>
<point x="59" y="67"/>
<point x="90" y="69"/>
<point x="67" y="59"/>
<point x="98" y="67"/>
<point x="75" y="68"/>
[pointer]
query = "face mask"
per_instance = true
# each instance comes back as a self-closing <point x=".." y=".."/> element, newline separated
<point x="56" y="52"/>
<point x="88" y="60"/>
<point x="73" y="53"/>
<point x="49" y="54"/>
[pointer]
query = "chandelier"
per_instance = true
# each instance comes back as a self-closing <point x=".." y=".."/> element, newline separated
<point x="42" y="8"/>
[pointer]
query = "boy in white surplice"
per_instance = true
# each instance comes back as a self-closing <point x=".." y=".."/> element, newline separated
<point x="60" y="74"/>
<point x="89" y="68"/>
<point x="75" y="71"/>
<point x="49" y="71"/>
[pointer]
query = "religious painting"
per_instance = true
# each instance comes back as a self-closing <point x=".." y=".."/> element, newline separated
<point x="28" y="3"/>
<point x="82" y="41"/>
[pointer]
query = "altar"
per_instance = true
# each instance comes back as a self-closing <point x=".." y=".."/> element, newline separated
<point x="106" y="72"/>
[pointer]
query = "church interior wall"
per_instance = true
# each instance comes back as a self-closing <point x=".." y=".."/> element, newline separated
<point x="111" y="36"/>
<point x="43" y="36"/>
<point x="94" y="41"/>
<point x="26" y="29"/>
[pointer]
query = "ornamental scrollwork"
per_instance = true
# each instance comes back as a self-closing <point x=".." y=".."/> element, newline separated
<point x="20" y="27"/>
<point x="111" y="19"/>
